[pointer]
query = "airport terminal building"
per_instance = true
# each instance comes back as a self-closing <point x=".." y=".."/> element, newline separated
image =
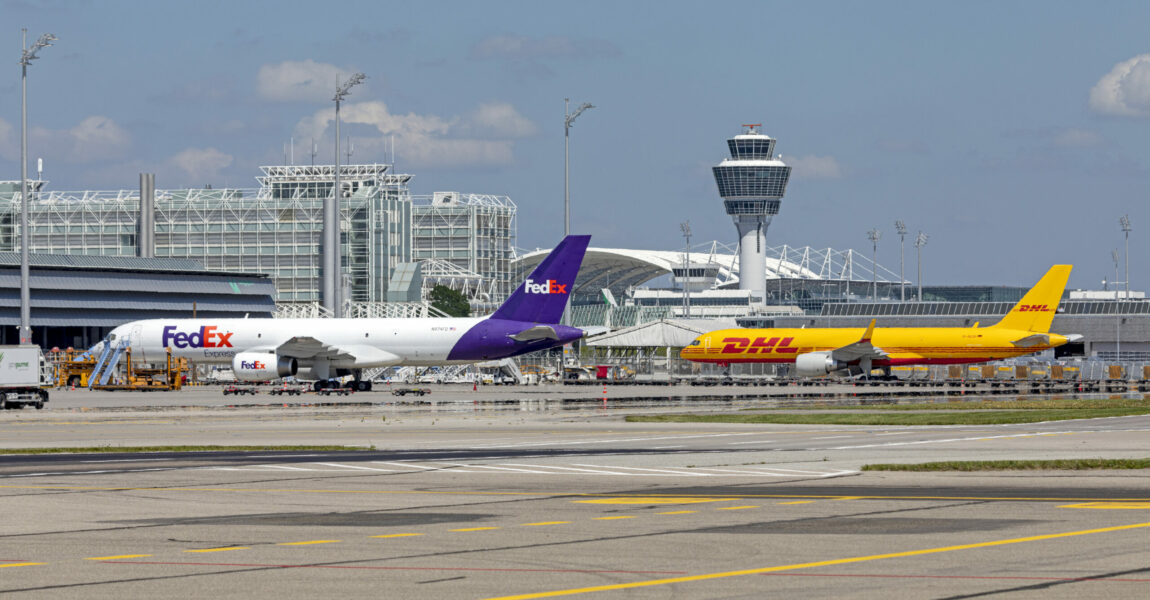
<point x="465" y="240"/>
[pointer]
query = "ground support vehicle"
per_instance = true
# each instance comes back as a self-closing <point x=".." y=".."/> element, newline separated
<point x="412" y="391"/>
<point x="235" y="390"/>
<point x="24" y="377"/>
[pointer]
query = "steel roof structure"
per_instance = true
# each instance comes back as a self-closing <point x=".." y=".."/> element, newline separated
<point x="622" y="270"/>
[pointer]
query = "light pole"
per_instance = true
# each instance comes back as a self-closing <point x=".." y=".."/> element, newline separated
<point x="919" y="242"/>
<point x="874" y="235"/>
<point x="1125" y="223"/>
<point x="900" y="227"/>
<point x="332" y="253"/>
<point x="26" y="57"/>
<point x="568" y="120"/>
<point x="685" y="226"/>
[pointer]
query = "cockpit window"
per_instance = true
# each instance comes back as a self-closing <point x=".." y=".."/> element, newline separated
<point x="696" y="342"/>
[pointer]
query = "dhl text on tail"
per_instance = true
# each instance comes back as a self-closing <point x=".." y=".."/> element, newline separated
<point x="820" y="351"/>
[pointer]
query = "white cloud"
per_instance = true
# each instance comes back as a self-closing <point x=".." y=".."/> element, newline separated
<point x="483" y="138"/>
<point x="306" y="81"/>
<point x="95" y="139"/>
<point x="202" y="164"/>
<point x="499" y="119"/>
<point x="814" y="167"/>
<point x="1125" y="90"/>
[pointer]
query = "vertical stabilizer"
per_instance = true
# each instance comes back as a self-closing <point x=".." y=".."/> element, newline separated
<point x="1036" y="309"/>
<point x="541" y="298"/>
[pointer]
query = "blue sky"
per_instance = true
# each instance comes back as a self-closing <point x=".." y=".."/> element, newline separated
<point x="1012" y="133"/>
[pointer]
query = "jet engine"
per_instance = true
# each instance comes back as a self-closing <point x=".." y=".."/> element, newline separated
<point x="817" y="364"/>
<point x="261" y="366"/>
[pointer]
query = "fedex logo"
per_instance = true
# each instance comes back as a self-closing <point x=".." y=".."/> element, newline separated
<point x="737" y="345"/>
<point x="1033" y="308"/>
<point x="547" y="287"/>
<point x="254" y="365"/>
<point x="206" y="337"/>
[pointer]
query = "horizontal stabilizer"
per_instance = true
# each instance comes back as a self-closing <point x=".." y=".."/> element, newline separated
<point x="1037" y="339"/>
<point x="538" y="332"/>
<point x="860" y="349"/>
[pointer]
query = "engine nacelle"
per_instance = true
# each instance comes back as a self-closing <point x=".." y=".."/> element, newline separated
<point x="817" y="364"/>
<point x="261" y="366"/>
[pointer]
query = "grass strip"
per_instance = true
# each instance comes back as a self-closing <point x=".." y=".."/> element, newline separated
<point x="1078" y="464"/>
<point x="965" y="404"/>
<point x="983" y="417"/>
<point x="147" y="449"/>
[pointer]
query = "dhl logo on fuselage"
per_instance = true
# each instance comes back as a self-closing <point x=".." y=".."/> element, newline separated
<point x="760" y="345"/>
<point x="1033" y="308"/>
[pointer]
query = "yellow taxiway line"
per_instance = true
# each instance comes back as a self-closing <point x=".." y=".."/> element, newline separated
<point x="808" y="565"/>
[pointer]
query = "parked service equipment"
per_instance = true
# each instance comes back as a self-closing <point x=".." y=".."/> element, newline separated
<point x="412" y="391"/>
<point x="24" y="377"/>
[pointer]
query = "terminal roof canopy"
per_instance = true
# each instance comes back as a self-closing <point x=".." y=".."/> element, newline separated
<point x="622" y="270"/>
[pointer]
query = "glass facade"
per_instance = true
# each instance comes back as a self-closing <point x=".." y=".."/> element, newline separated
<point x="277" y="228"/>
<point x="467" y="241"/>
<point x="754" y="148"/>
<point x="737" y="181"/>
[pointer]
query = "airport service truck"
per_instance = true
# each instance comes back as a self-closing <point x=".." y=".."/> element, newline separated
<point x="24" y="377"/>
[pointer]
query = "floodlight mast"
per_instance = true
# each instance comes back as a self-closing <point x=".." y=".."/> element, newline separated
<point x="332" y="251"/>
<point x="874" y="235"/>
<point x="1125" y="223"/>
<point x="568" y="120"/>
<point x="26" y="57"/>
<point x="919" y="242"/>
<point x="685" y="226"/>
<point x="900" y="227"/>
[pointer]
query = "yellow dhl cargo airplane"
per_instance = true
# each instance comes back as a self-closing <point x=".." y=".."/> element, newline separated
<point x="820" y="351"/>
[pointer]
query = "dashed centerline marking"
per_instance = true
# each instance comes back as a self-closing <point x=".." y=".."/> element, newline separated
<point x="309" y="543"/>
<point x="118" y="557"/>
<point x="735" y="507"/>
<point x="27" y="564"/>
<point x="797" y="502"/>
<point x="542" y="523"/>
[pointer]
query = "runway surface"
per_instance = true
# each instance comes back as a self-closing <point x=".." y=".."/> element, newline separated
<point x="554" y="503"/>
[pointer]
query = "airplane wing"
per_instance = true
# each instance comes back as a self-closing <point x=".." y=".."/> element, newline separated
<point x="860" y="349"/>
<point x="357" y="354"/>
<point x="538" y="332"/>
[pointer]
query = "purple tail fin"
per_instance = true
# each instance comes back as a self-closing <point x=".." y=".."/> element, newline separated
<point x="542" y="297"/>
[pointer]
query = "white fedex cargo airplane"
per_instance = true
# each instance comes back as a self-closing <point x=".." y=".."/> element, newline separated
<point x="320" y="349"/>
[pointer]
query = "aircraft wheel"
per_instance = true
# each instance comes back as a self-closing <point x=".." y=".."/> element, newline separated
<point x="319" y="385"/>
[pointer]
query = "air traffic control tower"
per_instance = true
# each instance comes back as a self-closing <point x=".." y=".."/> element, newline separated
<point x="752" y="183"/>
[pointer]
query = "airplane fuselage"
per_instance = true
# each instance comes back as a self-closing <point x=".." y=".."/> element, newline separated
<point x="379" y="342"/>
<point x="902" y="345"/>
